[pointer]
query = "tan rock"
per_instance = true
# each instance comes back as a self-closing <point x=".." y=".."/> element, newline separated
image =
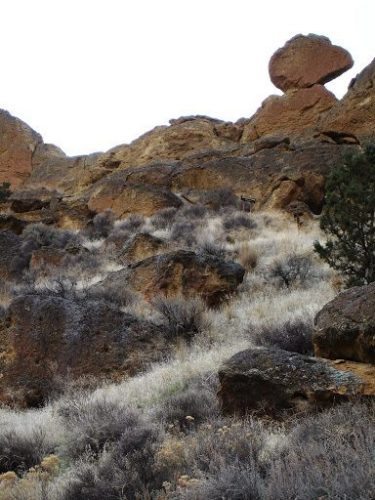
<point x="307" y="60"/>
<point x="363" y="371"/>
<point x="353" y="117"/>
<point x="17" y="145"/>
<point x="294" y="114"/>
<point x="184" y="273"/>
<point x="126" y="199"/>
<point x="142" y="246"/>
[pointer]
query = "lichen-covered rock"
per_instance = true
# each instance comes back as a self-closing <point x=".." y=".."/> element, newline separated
<point x="47" y="337"/>
<point x="270" y="381"/>
<point x="185" y="273"/>
<point x="345" y="327"/>
<point x="307" y="60"/>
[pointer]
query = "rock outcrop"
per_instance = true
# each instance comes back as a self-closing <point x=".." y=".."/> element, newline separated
<point x="18" y="143"/>
<point x="185" y="273"/>
<point x="47" y="337"/>
<point x="126" y="198"/>
<point x="279" y="156"/>
<point x="270" y="381"/>
<point x="294" y="114"/>
<point x="353" y="118"/>
<point x="307" y="60"/>
<point x="143" y="246"/>
<point x="345" y="327"/>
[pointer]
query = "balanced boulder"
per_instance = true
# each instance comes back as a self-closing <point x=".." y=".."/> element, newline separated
<point x="307" y="60"/>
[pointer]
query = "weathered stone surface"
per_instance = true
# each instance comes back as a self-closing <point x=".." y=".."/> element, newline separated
<point x="364" y="371"/>
<point x="295" y="114"/>
<point x="269" y="381"/>
<point x="353" y="117"/>
<point x="33" y="199"/>
<point x="142" y="246"/>
<point x="185" y="273"/>
<point x="274" y="176"/>
<point x="125" y="198"/>
<point x="307" y="60"/>
<point x="10" y="245"/>
<point x="51" y="336"/>
<point x="55" y="171"/>
<point x="182" y="138"/>
<point x="345" y="327"/>
<point x="17" y="145"/>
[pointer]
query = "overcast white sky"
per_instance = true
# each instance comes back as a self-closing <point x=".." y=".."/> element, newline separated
<point x="91" y="74"/>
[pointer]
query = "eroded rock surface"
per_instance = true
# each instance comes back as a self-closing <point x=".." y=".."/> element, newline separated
<point x="345" y="327"/>
<point x="270" y="381"/>
<point x="49" y="336"/>
<point x="353" y="117"/>
<point x="17" y="145"/>
<point x="185" y="273"/>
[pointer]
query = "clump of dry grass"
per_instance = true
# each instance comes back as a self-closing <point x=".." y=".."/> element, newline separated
<point x="247" y="257"/>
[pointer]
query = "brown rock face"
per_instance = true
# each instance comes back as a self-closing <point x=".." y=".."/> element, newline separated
<point x="50" y="336"/>
<point x="269" y="381"/>
<point x="345" y="327"/>
<point x="17" y="145"/>
<point x="295" y="114"/>
<point x="307" y="60"/>
<point x="127" y="199"/>
<point x="274" y="176"/>
<point x="142" y="246"/>
<point x="354" y="115"/>
<point x="185" y="273"/>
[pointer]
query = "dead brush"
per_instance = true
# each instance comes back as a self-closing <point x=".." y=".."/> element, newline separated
<point x="247" y="257"/>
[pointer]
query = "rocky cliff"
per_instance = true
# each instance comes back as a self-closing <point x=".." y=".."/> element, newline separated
<point x="279" y="155"/>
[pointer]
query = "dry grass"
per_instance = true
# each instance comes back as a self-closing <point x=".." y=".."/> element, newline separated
<point x="261" y="304"/>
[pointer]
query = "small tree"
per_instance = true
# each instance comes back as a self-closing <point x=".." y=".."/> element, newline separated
<point x="348" y="218"/>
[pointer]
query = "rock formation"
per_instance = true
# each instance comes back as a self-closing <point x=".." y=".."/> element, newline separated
<point x="46" y="337"/>
<point x="354" y="116"/>
<point x="18" y="143"/>
<point x="185" y="273"/>
<point x="307" y="60"/>
<point x="280" y="155"/>
<point x="270" y="381"/>
<point x="345" y="327"/>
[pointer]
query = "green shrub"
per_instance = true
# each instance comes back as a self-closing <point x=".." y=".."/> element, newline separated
<point x="348" y="218"/>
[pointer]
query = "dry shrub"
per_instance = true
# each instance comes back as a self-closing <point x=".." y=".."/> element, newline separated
<point x="294" y="336"/>
<point x="292" y="269"/>
<point x="183" y="318"/>
<point x="248" y="257"/>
